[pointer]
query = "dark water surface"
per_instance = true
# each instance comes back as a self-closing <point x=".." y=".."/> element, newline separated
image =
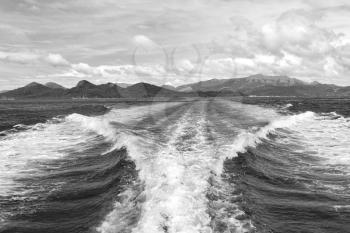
<point x="210" y="165"/>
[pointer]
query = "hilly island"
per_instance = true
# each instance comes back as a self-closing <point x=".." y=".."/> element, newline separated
<point x="255" y="85"/>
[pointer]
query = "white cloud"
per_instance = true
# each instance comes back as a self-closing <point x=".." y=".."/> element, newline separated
<point x="265" y="59"/>
<point x="121" y="73"/>
<point x="185" y="65"/>
<point x="245" y="62"/>
<point x="331" y="67"/>
<point x="83" y="68"/>
<point x="297" y="32"/>
<point x="56" y="60"/>
<point x="294" y="44"/>
<point x="19" y="57"/>
<point x="144" y="42"/>
<point x="24" y="57"/>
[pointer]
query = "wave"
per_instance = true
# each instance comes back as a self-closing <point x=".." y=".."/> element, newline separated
<point x="298" y="168"/>
<point x="180" y="175"/>
<point x="327" y="136"/>
<point x="22" y="152"/>
<point x="25" y="147"/>
<point x="107" y="124"/>
<point x="250" y="138"/>
<point x="99" y="125"/>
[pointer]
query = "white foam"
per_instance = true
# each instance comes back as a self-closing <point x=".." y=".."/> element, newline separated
<point x="256" y="112"/>
<point x="176" y="177"/>
<point x="22" y="152"/>
<point x="287" y="106"/>
<point x="100" y="125"/>
<point x="124" y="212"/>
<point x="251" y="137"/>
<point x="327" y="136"/>
<point x="133" y="114"/>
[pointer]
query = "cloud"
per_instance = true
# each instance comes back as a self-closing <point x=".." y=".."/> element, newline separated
<point x="19" y="57"/>
<point x="83" y="68"/>
<point x="28" y="57"/>
<point x="12" y="33"/>
<point x="294" y="44"/>
<point x="56" y="60"/>
<point x="144" y="42"/>
<point x="306" y="48"/>
<point x="122" y="72"/>
<point x="297" y="32"/>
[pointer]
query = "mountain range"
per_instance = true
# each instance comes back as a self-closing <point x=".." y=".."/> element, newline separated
<point x="85" y="89"/>
<point x="255" y="85"/>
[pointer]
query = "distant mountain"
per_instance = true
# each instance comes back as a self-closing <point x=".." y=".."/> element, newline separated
<point x="262" y="85"/>
<point x="202" y="85"/>
<point x="53" y="85"/>
<point x="241" y="84"/>
<point x="255" y="85"/>
<point x="33" y="90"/>
<point x="275" y="80"/>
<point x="142" y="90"/>
<point x="85" y="89"/>
<point x="297" y="90"/>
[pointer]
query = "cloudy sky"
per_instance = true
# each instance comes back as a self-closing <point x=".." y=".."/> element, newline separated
<point x="172" y="42"/>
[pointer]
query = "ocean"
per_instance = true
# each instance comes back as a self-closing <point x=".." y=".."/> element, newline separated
<point x="193" y="166"/>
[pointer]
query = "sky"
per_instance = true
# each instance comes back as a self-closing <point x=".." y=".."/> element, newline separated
<point x="172" y="42"/>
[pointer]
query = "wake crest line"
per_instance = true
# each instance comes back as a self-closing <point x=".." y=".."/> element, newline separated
<point x="244" y="140"/>
<point x="249" y="138"/>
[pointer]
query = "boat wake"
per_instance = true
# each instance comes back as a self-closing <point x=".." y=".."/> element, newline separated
<point x="176" y="167"/>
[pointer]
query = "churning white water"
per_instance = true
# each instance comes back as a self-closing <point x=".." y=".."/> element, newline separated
<point x="179" y="157"/>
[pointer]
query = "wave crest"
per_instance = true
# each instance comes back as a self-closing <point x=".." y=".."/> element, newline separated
<point x="99" y="125"/>
<point x="250" y="138"/>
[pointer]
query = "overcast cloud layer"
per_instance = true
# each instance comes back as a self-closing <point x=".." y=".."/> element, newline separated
<point x="172" y="42"/>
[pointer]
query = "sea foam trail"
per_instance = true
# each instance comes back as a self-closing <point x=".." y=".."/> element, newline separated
<point x="175" y="180"/>
<point x="178" y="175"/>
<point x="22" y="152"/>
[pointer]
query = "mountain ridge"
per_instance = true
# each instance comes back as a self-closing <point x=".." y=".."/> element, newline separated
<point x="254" y="85"/>
<point x="54" y="85"/>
